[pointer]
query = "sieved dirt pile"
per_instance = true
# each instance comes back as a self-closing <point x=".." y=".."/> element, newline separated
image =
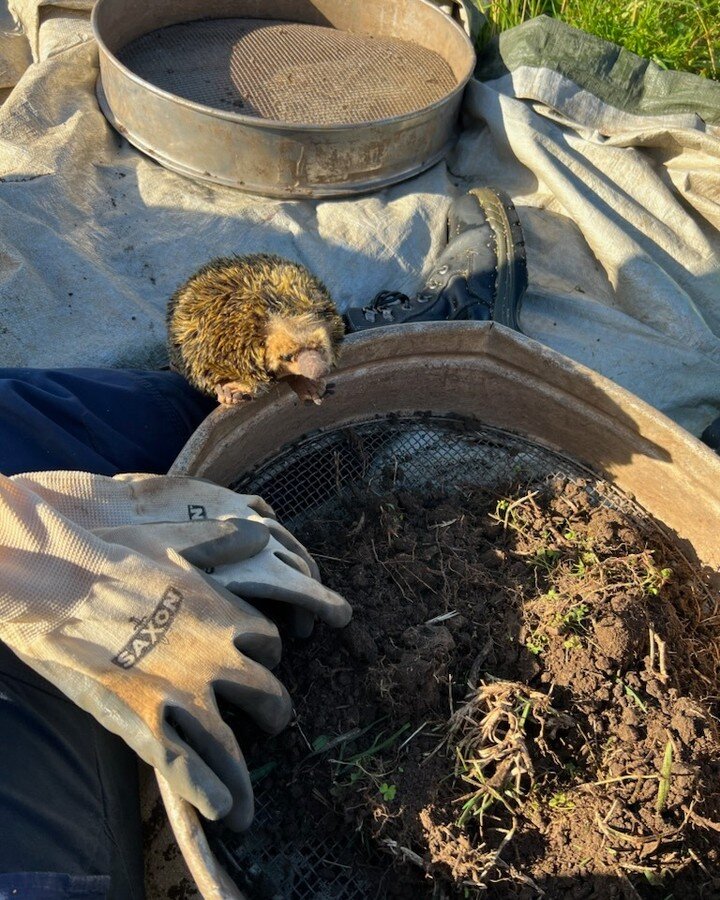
<point x="526" y="699"/>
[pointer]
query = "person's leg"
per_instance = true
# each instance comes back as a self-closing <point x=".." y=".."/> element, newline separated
<point x="69" y="804"/>
<point x="103" y="421"/>
<point x="69" y="815"/>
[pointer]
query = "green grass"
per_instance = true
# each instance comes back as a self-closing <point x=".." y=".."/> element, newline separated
<point x="675" y="34"/>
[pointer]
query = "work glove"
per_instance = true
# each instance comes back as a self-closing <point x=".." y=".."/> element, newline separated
<point x="143" y="641"/>
<point x="138" y="505"/>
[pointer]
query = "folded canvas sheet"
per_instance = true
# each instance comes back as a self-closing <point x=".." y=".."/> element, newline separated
<point x="614" y="166"/>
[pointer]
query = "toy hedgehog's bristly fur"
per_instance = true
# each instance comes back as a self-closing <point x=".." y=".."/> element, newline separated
<point x="242" y="322"/>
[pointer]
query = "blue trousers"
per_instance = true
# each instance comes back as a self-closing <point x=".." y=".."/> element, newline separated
<point x="69" y="810"/>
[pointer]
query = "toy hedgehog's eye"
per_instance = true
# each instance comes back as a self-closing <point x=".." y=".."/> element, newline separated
<point x="287" y="357"/>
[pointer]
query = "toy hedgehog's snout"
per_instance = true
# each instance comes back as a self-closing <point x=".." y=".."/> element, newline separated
<point x="311" y="364"/>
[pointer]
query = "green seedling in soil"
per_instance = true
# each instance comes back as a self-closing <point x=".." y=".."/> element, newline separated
<point x="583" y="563"/>
<point x="360" y="765"/>
<point x="507" y="512"/>
<point x="537" y="642"/>
<point x="573" y="619"/>
<point x="376" y="746"/>
<point x="571" y="769"/>
<point x="388" y="791"/>
<point x="257" y="775"/>
<point x="665" y="772"/>
<point x="475" y="807"/>
<point x="546" y="559"/>
<point x="561" y="800"/>
<point x="634" y="697"/>
<point x="656" y="880"/>
<point x="655" y="579"/>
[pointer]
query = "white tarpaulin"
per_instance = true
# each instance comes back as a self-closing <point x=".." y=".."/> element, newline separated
<point x="616" y="180"/>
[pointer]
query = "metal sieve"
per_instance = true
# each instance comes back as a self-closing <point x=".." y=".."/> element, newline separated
<point x="311" y="479"/>
<point x="294" y="98"/>
<point x="495" y="407"/>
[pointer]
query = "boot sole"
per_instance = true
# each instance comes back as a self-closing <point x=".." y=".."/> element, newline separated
<point x="511" y="281"/>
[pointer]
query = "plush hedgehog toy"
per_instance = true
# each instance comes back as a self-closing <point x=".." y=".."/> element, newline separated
<point x="244" y="322"/>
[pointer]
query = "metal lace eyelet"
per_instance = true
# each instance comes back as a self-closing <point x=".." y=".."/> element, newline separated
<point x="443" y="270"/>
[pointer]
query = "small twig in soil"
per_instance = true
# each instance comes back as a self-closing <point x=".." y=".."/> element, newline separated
<point x="414" y="734"/>
<point x="639" y="841"/>
<point x="443" y="618"/>
<point x="515" y="873"/>
<point x="404" y="853"/>
<point x="619" y="778"/>
<point x="448" y="523"/>
<point x="296" y="723"/>
<point x="511" y="506"/>
<point x="472" y="679"/>
<point x="333" y="742"/>
<point x="627" y="883"/>
<point x="703" y="822"/>
<point x="656" y="641"/>
<point x="693" y="855"/>
<point x="387" y="568"/>
<point x="649" y="873"/>
<point x="493" y="861"/>
<point x="613" y="805"/>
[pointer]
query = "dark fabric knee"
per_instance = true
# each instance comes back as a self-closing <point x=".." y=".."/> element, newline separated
<point x="103" y="421"/>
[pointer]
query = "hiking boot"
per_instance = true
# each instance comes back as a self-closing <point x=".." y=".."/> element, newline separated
<point x="481" y="274"/>
<point x="711" y="435"/>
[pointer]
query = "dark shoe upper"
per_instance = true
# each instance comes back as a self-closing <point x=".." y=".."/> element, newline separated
<point x="711" y="435"/>
<point x="468" y="280"/>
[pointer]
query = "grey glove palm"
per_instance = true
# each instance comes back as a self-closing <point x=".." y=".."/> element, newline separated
<point x="138" y="505"/>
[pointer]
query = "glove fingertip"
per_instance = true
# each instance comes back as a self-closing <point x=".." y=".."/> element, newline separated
<point x="336" y="611"/>
<point x="240" y="816"/>
<point x="341" y="616"/>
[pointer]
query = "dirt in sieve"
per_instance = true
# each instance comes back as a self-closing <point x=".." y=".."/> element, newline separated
<point x="525" y="701"/>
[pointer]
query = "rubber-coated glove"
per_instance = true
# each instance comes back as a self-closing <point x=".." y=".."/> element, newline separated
<point x="284" y="572"/>
<point x="143" y="642"/>
<point x="274" y="573"/>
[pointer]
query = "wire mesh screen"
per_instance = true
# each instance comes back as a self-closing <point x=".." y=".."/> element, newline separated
<point x="265" y="869"/>
<point x="324" y="469"/>
<point x="291" y="72"/>
<point x="315" y="476"/>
